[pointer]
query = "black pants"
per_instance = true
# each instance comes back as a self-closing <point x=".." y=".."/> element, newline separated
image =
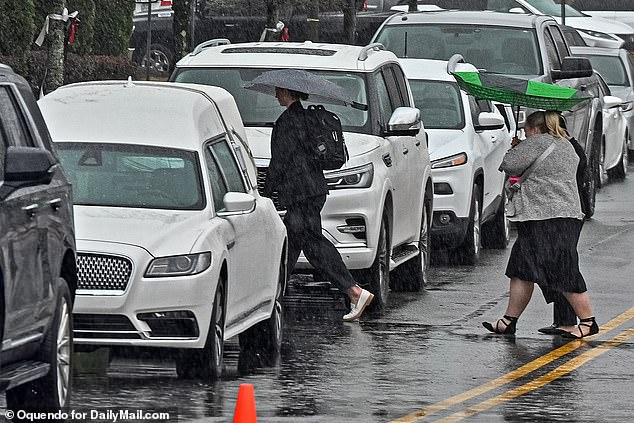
<point x="303" y="226"/>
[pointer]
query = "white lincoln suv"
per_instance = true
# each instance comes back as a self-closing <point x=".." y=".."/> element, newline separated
<point x="378" y="212"/>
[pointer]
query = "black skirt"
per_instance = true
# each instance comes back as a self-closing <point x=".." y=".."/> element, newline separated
<point x="545" y="252"/>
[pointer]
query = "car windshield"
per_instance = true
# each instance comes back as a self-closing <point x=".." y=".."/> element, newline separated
<point x="611" y="69"/>
<point x="549" y="7"/>
<point x="439" y="103"/>
<point x="258" y="109"/>
<point x="122" y="175"/>
<point x="505" y="50"/>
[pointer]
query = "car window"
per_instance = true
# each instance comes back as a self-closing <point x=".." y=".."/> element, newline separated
<point x="440" y="104"/>
<point x="390" y="80"/>
<point x="223" y="171"/>
<point x="611" y="69"/>
<point x="385" y="108"/>
<point x="401" y="82"/>
<point x="13" y="125"/>
<point x="550" y="7"/>
<point x="551" y="51"/>
<point x="502" y="5"/>
<point x="123" y="175"/>
<point x="477" y="107"/>
<point x="560" y="44"/>
<point x="259" y="109"/>
<point x="501" y="49"/>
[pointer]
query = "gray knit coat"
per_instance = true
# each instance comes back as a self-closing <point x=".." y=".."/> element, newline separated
<point x="550" y="191"/>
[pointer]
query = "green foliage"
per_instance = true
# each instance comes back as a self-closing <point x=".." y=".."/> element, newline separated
<point x="83" y="43"/>
<point x="113" y="26"/>
<point x="17" y="27"/>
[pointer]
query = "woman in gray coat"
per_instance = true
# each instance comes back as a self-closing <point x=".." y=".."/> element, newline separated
<point x="548" y="218"/>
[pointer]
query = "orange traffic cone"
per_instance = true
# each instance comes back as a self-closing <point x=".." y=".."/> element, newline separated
<point x="245" y="406"/>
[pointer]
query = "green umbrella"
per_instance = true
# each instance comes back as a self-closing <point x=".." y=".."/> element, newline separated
<point x="518" y="92"/>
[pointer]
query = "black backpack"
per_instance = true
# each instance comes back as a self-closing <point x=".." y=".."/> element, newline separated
<point x="326" y="135"/>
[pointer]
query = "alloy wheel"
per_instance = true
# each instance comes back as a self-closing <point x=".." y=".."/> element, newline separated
<point x="63" y="354"/>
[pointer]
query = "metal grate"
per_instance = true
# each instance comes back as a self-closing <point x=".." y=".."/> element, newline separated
<point x="261" y="178"/>
<point x="96" y="271"/>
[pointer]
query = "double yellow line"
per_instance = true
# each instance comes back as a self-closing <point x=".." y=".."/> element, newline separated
<point x="523" y="371"/>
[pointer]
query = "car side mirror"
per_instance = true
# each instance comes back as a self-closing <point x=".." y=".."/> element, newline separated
<point x="237" y="203"/>
<point x="573" y="67"/>
<point x="610" y="101"/>
<point x="517" y="10"/>
<point x="489" y="121"/>
<point x="28" y="166"/>
<point x="404" y="121"/>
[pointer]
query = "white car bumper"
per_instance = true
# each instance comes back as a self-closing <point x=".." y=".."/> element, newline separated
<point x="151" y="312"/>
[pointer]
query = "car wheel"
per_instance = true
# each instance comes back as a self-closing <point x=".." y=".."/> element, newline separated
<point x="602" y="174"/>
<point x="53" y="391"/>
<point x="412" y="275"/>
<point x="264" y="340"/>
<point x="496" y="233"/>
<point x="630" y="148"/>
<point x="469" y="251"/>
<point x="619" y="171"/>
<point x="206" y="363"/>
<point x="377" y="277"/>
<point x="593" y="184"/>
<point x="160" y="59"/>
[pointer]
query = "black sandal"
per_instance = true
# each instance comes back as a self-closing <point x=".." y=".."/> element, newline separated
<point x="594" y="328"/>
<point x="509" y="323"/>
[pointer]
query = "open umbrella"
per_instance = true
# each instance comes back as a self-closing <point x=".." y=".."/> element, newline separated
<point x="319" y="89"/>
<point x="518" y="92"/>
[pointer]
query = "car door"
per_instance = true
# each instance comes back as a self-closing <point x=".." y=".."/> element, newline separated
<point x="22" y="241"/>
<point x="493" y="144"/>
<point x="249" y="258"/>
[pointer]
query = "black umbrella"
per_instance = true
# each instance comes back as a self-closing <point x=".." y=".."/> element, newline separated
<point x="319" y="89"/>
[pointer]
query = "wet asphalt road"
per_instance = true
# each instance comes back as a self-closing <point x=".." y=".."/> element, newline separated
<point x="428" y="354"/>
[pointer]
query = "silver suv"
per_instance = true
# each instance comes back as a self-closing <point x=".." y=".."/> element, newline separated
<point x="378" y="212"/>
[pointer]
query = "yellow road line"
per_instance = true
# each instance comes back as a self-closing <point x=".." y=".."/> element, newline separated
<point x="560" y="371"/>
<point x="511" y="376"/>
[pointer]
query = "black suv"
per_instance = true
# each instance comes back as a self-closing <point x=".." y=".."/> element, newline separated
<point x="38" y="273"/>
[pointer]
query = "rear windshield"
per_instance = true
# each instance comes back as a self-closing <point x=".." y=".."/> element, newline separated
<point x="440" y="104"/>
<point x="505" y="50"/>
<point x="258" y="109"/>
<point x="121" y="175"/>
<point x="611" y="69"/>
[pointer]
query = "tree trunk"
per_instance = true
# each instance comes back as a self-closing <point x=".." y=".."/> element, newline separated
<point x="183" y="38"/>
<point x="271" y="20"/>
<point x="412" y="6"/>
<point x="350" y="21"/>
<point x="56" y="37"/>
<point x="312" y="9"/>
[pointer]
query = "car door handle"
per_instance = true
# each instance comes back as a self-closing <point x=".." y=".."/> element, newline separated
<point x="31" y="209"/>
<point x="494" y="139"/>
<point x="55" y="203"/>
<point x="405" y="151"/>
<point x="417" y="143"/>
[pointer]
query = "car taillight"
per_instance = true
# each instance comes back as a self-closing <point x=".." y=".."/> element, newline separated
<point x="166" y="3"/>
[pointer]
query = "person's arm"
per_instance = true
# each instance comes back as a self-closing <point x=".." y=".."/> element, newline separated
<point x="520" y="157"/>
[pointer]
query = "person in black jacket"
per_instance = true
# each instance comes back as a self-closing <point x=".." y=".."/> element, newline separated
<point x="299" y="181"/>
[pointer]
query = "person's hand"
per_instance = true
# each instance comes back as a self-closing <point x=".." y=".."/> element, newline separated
<point x="515" y="141"/>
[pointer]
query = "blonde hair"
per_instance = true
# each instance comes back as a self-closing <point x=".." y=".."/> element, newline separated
<point x="548" y="122"/>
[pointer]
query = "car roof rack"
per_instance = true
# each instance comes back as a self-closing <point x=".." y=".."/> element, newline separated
<point x="210" y="43"/>
<point x="365" y="51"/>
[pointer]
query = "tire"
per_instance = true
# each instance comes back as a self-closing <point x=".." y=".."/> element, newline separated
<point x="602" y="175"/>
<point x="469" y="252"/>
<point x="619" y="171"/>
<point x="53" y="391"/>
<point x="264" y="340"/>
<point x="413" y="274"/>
<point x="161" y="59"/>
<point x="496" y="233"/>
<point x="377" y="278"/>
<point x="594" y="181"/>
<point x="630" y="148"/>
<point x="207" y="362"/>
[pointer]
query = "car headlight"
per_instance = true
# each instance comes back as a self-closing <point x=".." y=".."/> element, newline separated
<point x="189" y="264"/>
<point x="456" y="160"/>
<point x="627" y="106"/>
<point x="597" y="34"/>
<point x="355" y="177"/>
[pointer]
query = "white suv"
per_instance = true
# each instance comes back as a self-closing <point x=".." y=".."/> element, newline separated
<point x="378" y="212"/>
<point x="467" y="141"/>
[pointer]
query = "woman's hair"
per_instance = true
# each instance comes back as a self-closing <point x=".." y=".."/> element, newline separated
<point x="298" y="95"/>
<point x="548" y="122"/>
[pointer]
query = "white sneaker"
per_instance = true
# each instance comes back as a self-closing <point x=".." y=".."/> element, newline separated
<point x="356" y="310"/>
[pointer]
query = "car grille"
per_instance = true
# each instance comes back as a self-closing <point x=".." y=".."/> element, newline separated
<point x="99" y="326"/>
<point x="104" y="272"/>
<point x="261" y="179"/>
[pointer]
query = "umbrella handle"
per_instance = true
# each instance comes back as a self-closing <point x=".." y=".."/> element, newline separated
<point x="517" y="120"/>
